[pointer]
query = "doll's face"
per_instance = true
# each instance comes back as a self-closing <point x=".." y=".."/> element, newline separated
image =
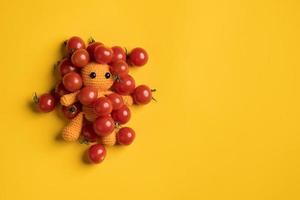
<point x="97" y="75"/>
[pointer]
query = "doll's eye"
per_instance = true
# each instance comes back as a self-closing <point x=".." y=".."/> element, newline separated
<point x="107" y="75"/>
<point x="93" y="75"/>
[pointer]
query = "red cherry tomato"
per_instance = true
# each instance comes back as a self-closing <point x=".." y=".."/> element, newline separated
<point x="116" y="100"/>
<point x="125" y="85"/>
<point x="71" y="111"/>
<point x="80" y="58"/>
<point x="91" y="49"/>
<point x="103" y="54"/>
<point x="138" y="57"/>
<point x="74" y="43"/>
<point x="88" y="133"/>
<point x="60" y="90"/>
<point x="118" y="54"/>
<point x="96" y="153"/>
<point x="103" y="106"/>
<point x="142" y="94"/>
<point x="125" y="136"/>
<point x="72" y="81"/>
<point x="65" y="66"/>
<point x="104" y="125"/>
<point x="87" y="95"/>
<point x="119" y="68"/>
<point x="56" y="97"/>
<point x="122" y="115"/>
<point x="46" y="103"/>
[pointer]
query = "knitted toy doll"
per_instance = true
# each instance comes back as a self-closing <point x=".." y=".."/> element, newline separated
<point x="95" y="90"/>
<point x="97" y="76"/>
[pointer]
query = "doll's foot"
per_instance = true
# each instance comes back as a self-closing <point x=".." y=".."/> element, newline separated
<point x="72" y="131"/>
<point x="109" y="140"/>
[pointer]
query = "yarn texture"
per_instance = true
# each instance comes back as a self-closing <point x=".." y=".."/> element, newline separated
<point x="72" y="131"/>
<point x="69" y="99"/>
<point x="109" y="140"/>
<point x="102" y="82"/>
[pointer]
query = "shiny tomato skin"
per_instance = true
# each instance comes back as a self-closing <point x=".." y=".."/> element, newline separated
<point x="104" y="125"/>
<point x="96" y="153"/>
<point x="72" y="81"/>
<point x="125" y="136"/>
<point x="87" y="95"/>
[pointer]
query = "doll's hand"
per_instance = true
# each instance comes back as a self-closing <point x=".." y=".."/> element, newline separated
<point x="69" y="99"/>
<point x="104" y="93"/>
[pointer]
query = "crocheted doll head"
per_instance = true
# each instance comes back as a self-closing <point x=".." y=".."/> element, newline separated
<point x="97" y="75"/>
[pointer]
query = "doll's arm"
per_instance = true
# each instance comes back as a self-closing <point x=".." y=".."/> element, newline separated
<point x="69" y="99"/>
<point x="126" y="98"/>
<point x="104" y="93"/>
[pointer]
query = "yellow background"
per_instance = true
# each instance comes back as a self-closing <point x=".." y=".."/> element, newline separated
<point x="226" y="125"/>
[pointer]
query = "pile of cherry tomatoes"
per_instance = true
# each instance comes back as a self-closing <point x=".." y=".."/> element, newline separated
<point x="111" y="108"/>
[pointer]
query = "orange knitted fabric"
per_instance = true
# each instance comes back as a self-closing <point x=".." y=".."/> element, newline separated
<point x="109" y="140"/>
<point x="69" y="99"/>
<point x="89" y="113"/>
<point x="102" y="82"/>
<point x="72" y="131"/>
<point x="127" y="100"/>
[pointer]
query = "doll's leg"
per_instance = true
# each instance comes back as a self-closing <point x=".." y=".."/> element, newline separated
<point x="109" y="140"/>
<point x="89" y="113"/>
<point x="72" y="131"/>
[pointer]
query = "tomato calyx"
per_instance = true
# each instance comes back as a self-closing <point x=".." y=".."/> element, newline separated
<point x="35" y="98"/>
<point x="91" y="40"/>
<point x="153" y="90"/>
<point x="117" y="78"/>
<point x="82" y="140"/>
<point x="72" y="109"/>
<point x="118" y="125"/>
